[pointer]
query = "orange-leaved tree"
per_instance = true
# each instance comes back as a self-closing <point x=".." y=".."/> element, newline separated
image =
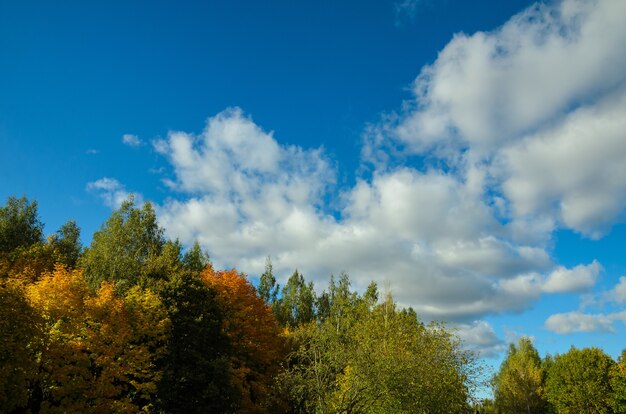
<point x="257" y="344"/>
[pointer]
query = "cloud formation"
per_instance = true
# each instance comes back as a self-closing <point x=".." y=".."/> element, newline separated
<point x="519" y="131"/>
<point x="131" y="140"/>
<point x="579" y="279"/>
<point x="244" y="196"/>
<point x="566" y="323"/>
<point x="537" y="105"/>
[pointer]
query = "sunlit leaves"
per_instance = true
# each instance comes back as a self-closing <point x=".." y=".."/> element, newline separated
<point x="367" y="358"/>
<point x="127" y="241"/>
<point x="254" y="337"/>
<point x="579" y="382"/>
<point x="518" y="386"/>
<point x="101" y="350"/>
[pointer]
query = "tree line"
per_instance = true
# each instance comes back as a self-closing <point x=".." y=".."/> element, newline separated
<point x="135" y="322"/>
<point x="581" y="381"/>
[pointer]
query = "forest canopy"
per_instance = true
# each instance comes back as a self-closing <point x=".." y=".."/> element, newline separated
<point x="136" y="322"/>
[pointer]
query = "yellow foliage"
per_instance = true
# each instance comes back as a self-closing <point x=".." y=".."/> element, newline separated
<point x="101" y="349"/>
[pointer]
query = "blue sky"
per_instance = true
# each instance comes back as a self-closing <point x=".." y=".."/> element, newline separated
<point x="470" y="154"/>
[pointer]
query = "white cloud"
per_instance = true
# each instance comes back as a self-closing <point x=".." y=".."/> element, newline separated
<point x="580" y="278"/>
<point x="112" y="192"/>
<point x="576" y="169"/>
<point x="491" y="87"/>
<point x="538" y="105"/>
<point x="480" y="337"/>
<point x="431" y="234"/>
<point x="618" y="293"/>
<point x="565" y="323"/>
<point x="131" y="140"/>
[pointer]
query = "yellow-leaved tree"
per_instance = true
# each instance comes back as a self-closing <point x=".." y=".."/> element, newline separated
<point x="101" y="351"/>
<point x="20" y="342"/>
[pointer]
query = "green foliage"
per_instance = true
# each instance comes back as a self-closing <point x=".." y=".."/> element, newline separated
<point x="195" y="259"/>
<point x="121" y="249"/>
<point x="518" y="386"/>
<point x="296" y="305"/>
<point x="579" y="382"/>
<point x="66" y="244"/>
<point x="618" y="383"/>
<point x="268" y="289"/>
<point x="196" y="368"/>
<point x="29" y="255"/>
<point x="133" y="325"/>
<point x="368" y="358"/>
<point x="19" y="224"/>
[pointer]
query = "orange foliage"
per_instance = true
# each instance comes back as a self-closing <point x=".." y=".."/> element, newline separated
<point x="254" y="334"/>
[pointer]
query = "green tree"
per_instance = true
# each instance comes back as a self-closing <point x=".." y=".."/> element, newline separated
<point x="66" y="244"/>
<point x="125" y="244"/>
<point x="618" y="382"/>
<point x="364" y="357"/>
<point x="399" y="365"/>
<point x="195" y="259"/>
<point x="22" y="251"/>
<point x="296" y="305"/>
<point x="196" y="372"/>
<point x="19" y="224"/>
<point x="268" y="288"/>
<point x="579" y="382"/>
<point x="518" y="386"/>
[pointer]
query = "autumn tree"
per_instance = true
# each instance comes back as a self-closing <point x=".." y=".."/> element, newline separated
<point x="101" y="350"/>
<point x="518" y="386"/>
<point x="255" y="339"/>
<point x="579" y="382"/>
<point x="21" y="335"/>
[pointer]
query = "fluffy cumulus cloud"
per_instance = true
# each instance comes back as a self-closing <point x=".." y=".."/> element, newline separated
<point x="538" y="104"/>
<point x="565" y="323"/>
<point x="527" y="131"/>
<point x="579" y="279"/>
